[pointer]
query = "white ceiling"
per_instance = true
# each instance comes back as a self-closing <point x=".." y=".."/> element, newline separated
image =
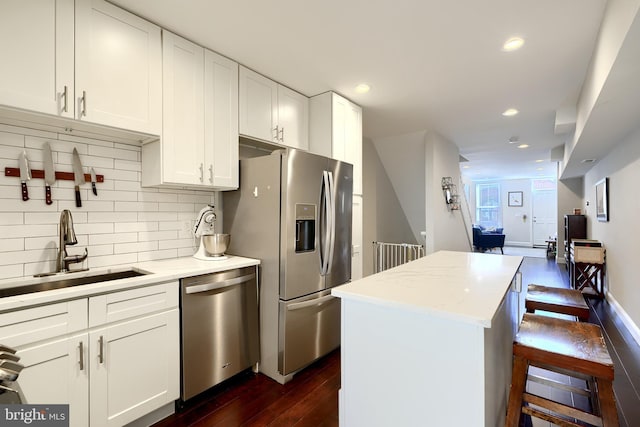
<point x="431" y="64"/>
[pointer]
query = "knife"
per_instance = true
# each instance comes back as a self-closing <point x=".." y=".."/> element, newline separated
<point x="49" y="173"/>
<point x="78" y="175"/>
<point x="25" y="174"/>
<point x="93" y="182"/>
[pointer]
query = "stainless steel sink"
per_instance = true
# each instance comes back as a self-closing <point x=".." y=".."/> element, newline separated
<point x="51" y="282"/>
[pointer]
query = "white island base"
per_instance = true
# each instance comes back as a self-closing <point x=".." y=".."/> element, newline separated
<point x="429" y="343"/>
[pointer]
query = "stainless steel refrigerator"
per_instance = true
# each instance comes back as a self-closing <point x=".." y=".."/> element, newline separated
<point x="293" y="212"/>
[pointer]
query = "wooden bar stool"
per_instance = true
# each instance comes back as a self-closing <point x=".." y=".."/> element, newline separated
<point x="573" y="348"/>
<point x="557" y="300"/>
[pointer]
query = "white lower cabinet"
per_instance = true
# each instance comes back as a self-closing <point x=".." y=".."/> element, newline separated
<point x="134" y="368"/>
<point x="113" y="358"/>
<point x="56" y="372"/>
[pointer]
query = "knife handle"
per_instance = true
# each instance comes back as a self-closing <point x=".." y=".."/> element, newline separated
<point x="94" y="189"/>
<point x="78" y="200"/>
<point x="25" y="192"/>
<point x="47" y="194"/>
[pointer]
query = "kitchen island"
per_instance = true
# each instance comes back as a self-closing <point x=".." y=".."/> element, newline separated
<point x="428" y="343"/>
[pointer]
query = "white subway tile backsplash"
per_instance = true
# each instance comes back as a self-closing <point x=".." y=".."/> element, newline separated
<point x="27" y="230"/>
<point x="11" y="218"/>
<point x="109" y="260"/>
<point x="145" y="236"/>
<point x="11" y="271"/>
<point x="155" y="255"/>
<point x="46" y="242"/>
<point x="94" y="228"/>
<point x="159" y="216"/>
<point x="103" y="239"/>
<point x="122" y="248"/>
<point x="8" y="245"/>
<point x="11" y="139"/>
<point x="123" y="224"/>
<point x="123" y="186"/>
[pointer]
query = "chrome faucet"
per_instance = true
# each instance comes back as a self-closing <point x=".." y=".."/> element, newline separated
<point x="67" y="237"/>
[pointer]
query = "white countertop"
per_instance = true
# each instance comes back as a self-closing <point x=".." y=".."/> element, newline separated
<point x="459" y="285"/>
<point x="160" y="271"/>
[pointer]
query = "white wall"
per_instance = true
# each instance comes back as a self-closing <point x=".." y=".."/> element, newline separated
<point x="621" y="234"/>
<point x="403" y="159"/>
<point x="384" y="219"/>
<point x="516" y="221"/>
<point x="445" y="229"/>
<point x="570" y="197"/>
<point x="123" y="224"/>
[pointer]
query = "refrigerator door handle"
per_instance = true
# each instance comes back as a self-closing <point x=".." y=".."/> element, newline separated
<point x="313" y="303"/>
<point x="325" y="223"/>
<point x="332" y="222"/>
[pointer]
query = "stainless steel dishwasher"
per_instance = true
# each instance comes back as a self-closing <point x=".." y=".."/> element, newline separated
<point x="219" y="328"/>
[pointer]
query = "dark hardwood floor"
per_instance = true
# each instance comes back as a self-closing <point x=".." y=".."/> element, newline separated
<point x="311" y="398"/>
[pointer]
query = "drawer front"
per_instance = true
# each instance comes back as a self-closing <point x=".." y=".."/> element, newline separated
<point x="30" y="325"/>
<point x="123" y="305"/>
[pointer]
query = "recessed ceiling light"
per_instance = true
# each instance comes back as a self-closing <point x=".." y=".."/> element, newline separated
<point x="588" y="160"/>
<point x="539" y="161"/>
<point x="510" y="112"/>
<point x="514" y="43"/>
<point x="466" y="167"/>
<point x="539" y="169"/>
<point x="363" y="88"/>
<point x="523" y="145"/>
<point x="513" y="140"/>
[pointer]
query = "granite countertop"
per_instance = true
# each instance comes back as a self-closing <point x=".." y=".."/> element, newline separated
<point x="464" y="286"/>
<point x="159" y="272"/>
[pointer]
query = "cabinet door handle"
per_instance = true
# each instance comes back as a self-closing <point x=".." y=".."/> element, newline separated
<point x="201" y="172"/>
<point x="282" y="135"/>
<point x="84" y="103"/>
<point x="81" y="361"/>
<point x="275" y="129"/>
<point x="211" y="174"/>
<point x="101" y="349"/>
<point x="65" y="93"/>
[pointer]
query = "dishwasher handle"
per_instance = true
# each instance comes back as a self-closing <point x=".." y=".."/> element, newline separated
<point x="217" y="285"/>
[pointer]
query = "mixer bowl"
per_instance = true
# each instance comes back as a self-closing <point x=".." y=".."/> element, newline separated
<point x="216" y="244"/>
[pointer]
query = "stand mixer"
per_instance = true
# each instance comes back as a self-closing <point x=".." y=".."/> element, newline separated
<point x="212" y="245"/>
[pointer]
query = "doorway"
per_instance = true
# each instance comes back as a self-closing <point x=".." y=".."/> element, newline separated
<point x="545" y="206"/>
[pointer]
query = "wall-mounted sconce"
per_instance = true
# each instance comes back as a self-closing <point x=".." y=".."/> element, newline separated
<point x="450" y="194"/>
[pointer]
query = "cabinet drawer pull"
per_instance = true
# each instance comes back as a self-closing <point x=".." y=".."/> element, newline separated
<point x="101" y="349"/>
<point x="84" y="103"/>
<point x="282" y="135"/>
<point x="81" y="361"/>
<point x="201" y="172"/>
<point x="275" y="129"/>
<point x="211" y="174"/>
<point x="65" y="93"/>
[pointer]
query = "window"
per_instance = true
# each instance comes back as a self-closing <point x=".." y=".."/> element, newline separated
<point x="488" y="205"/>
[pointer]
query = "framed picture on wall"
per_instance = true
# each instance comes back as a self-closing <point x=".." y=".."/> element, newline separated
<point x="602" y="200"/>
<point x="515" y="198"/>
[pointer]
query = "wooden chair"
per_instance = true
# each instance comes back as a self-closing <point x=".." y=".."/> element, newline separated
<point x="556" y="300"/>
<point x="573" y="348"/>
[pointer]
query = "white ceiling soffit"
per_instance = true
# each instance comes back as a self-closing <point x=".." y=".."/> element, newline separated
<point x="432" y="64"/>
<point x="616" y="112"/>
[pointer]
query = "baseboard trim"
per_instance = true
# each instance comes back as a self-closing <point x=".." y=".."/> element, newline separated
<point x="519" y="244"/>
<point x="626" y="320"/>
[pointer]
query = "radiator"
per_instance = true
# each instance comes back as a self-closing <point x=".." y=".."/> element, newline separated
<point x="389" y="255"/>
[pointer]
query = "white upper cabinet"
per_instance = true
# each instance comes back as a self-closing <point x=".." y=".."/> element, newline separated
<point x="199" y="144"/>
<point x="336" y="132"/>
<point x="221" y="120"/>
<point x="272" y="112"/>
<point x="118" y="68"/>
<point x="87" y="60"/>
<point x="36" y="41"/>
<point x="183" y="117"/>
